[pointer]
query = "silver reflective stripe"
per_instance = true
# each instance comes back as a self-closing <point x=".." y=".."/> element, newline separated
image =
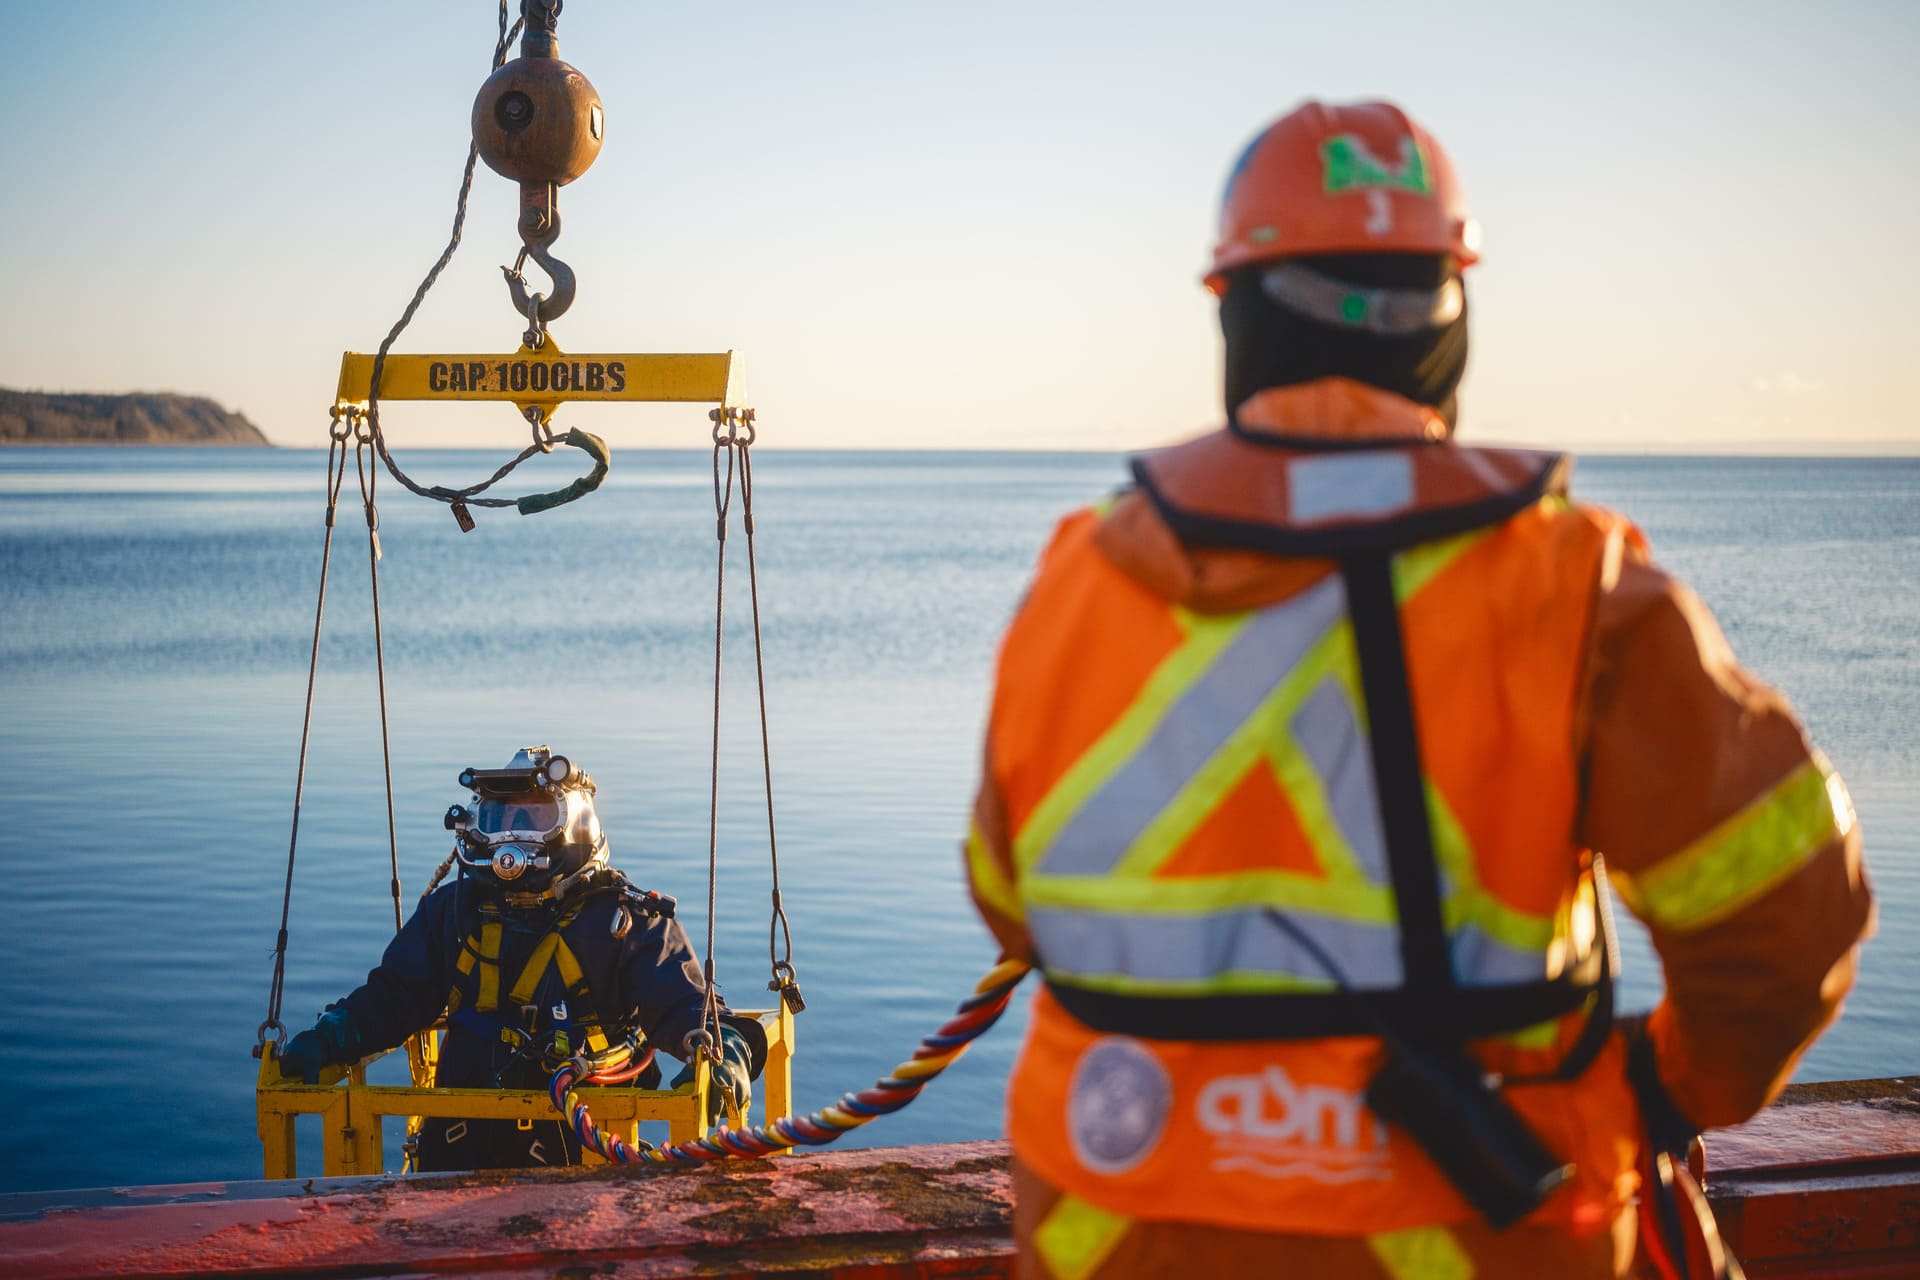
<point x="1237" y="943"/>
<point x="1193" y="729"/>
<point x="1482" y="961"/>
<point x="1329" y="736"/>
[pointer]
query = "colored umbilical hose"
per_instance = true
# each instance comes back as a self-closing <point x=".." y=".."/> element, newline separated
<point x="890" y="1093"/>
<point x="620" y="1075"/>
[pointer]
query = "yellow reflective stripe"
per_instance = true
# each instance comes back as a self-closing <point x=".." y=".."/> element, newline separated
<point x="1263" y="734"/>
<point x="1415" y="567"/>
<point x="1300" y="780"/>
<point x="1364" y="903"/>
<point x="988" y="880"/>
<point x="1207" y="636"/>
<point x="1468" y="902"/>
<point x="1076" y="1237"/>
<point x="1544" y="1035"/>
<point x="1171" y="679"/>
<point x="1744" y="857"/>
<point x="1106" y="503"/>
<point x="1421" y="1253"/>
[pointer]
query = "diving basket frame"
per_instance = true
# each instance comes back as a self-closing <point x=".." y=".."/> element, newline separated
<point x="351" y="1110"/>
<point x="537" y="379"/>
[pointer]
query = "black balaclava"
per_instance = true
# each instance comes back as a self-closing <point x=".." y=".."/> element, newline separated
<point x="1271" y="346"/>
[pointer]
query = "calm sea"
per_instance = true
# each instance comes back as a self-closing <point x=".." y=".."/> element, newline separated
<point x="156" y="609"/>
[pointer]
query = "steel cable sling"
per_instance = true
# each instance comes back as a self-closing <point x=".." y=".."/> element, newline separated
<point x="733" y="437"/>
<point x="347" y="423"/>
<point x="339" y="429"/>
<point x="362" y="426"/>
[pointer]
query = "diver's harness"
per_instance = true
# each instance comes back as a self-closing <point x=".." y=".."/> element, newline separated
<point x="576" y="1032"/>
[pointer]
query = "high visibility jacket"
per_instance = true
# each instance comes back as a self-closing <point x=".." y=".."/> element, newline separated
<point x="1194" y="780"/>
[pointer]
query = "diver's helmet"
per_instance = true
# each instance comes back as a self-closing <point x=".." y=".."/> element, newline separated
<point x="530" y="828"/>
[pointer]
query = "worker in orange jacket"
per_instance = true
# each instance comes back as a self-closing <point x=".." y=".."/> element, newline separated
<point x="1303" y="756"/>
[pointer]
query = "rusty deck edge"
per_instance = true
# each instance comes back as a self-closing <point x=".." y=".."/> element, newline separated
<point x="1825" y="1183"/>
<point x="872" y="1212"/>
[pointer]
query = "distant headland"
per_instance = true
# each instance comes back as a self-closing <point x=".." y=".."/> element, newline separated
<point x="141" y="417"/>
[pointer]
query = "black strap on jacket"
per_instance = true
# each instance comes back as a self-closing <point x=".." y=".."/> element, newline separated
<point x="1200" y="529"/>
<point x="1425" y="958"/>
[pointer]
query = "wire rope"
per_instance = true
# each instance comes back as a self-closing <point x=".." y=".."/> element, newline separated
<point x="723" y="478"/>
<point x="780" y="960"/>
<point x="369" y="479"/>
<point x="339" y="429"/>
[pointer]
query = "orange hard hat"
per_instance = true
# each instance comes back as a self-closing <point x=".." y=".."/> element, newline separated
<point x="1361" y="178"/>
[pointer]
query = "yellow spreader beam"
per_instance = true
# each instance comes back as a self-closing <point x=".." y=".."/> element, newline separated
<point x="543" y="377"/>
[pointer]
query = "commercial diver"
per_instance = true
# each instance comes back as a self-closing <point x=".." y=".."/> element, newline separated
<point x="539" y="950"/>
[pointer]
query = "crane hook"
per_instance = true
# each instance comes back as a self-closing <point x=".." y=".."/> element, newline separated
<point x="546" y="307"/>
<point x="539" y="228"/>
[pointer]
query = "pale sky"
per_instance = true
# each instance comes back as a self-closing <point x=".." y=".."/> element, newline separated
<point x="970" y="226"/>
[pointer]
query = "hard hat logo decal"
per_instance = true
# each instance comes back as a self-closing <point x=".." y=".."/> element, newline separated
<point x="1351" y="166"/>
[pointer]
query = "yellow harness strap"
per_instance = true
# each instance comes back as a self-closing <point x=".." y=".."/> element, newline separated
<point x="482" y="948"/>
<point x="553" y="949"/>
<point x="536" y="969"/>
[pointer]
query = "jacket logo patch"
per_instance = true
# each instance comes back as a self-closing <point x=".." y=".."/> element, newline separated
<point x="1267" y="1124"/>
<point x="1117" y="1105"/>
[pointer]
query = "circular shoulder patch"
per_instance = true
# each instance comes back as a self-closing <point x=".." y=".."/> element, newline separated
<point x="1117" y="1104"/>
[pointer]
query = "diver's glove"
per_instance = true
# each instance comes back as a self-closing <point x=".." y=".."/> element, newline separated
<point x="730" y="1086"/>
<point x="334" y="1039"/>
